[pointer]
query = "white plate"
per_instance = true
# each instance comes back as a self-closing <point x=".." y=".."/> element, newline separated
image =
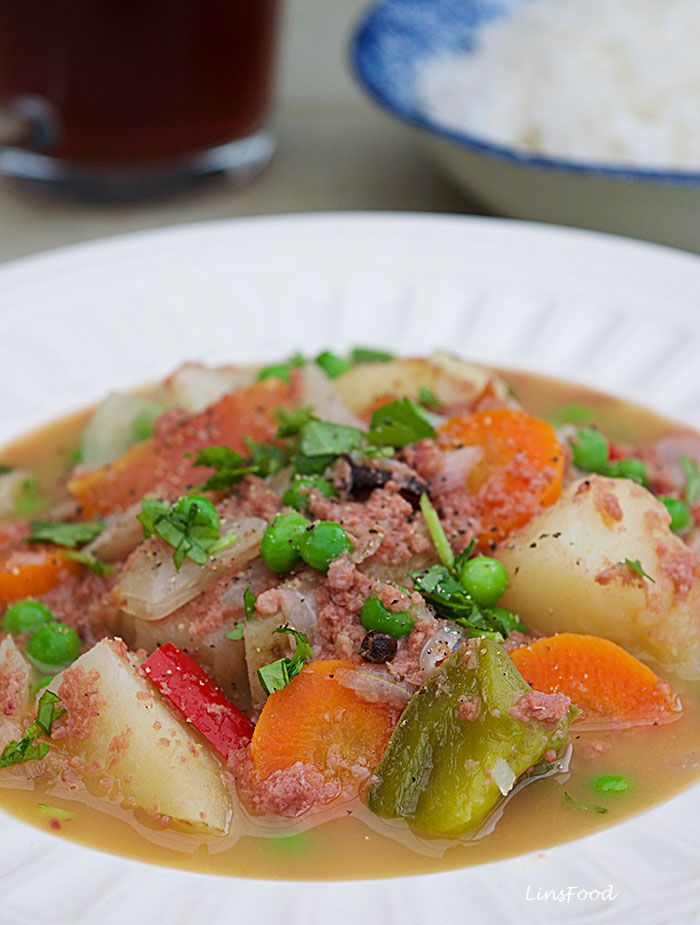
<point x="612" y="313"/>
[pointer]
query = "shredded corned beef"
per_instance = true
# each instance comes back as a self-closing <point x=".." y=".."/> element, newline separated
<point x="608" y="506"/>
<point x="252" y="498"/>
<point x="82" y="701"/>
<point x="14" y="683"/>
<point x="681" y="567"/>
<point x="536" y="707"/>
<point x="385" y="528"/>
<point x="469" y="708"/>
<point x="290" y="792"/>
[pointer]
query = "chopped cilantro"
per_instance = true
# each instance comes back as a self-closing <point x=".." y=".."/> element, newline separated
<point x="55" y="812"/>
<point x="265" y="458"/>
<point x="370" y="355"/>
<point x="587" y="807"/>
<point x="399" y="423"/>
<point x="191" y="526"/>
<point x="64" y="534"/>
<point x="236" y="634"/>
<point x="29" y="499"/>
<point x="277" y="675"/>
<point x="249" y="602"/>
<point x="436" y="531"/>
<point x="282" y="371"/>
<point x="332" y="365"/>
<point x="291" y="422"/>
<point x="636" y="566"/>
<point x="427" y="397"/>
<point x="103" y="569"/>
<point x="322" y="438"/>
<point x="691" y="473"/>
<point x="230" y="466"/>
<point x="27" y="748"/>
<point x="440" y="588"/>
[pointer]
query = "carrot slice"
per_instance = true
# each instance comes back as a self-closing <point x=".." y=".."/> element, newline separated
<point x="162" y="464"/>
<point x="520" y="472"/>
<point x="32" y="572"/>
<point x="318" y="721"/>
<point x="602" y="679"/>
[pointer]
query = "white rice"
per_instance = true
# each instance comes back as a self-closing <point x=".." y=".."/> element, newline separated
<point x="594" y="80"/>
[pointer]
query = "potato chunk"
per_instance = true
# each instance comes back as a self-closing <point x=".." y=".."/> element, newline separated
<point x="569" y="573"/>
<point x="157" y="761"/>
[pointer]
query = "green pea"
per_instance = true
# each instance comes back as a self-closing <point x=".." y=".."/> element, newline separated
<point x="612" y="783"/>
<point x="26" y="617"/>
<point x="590" y="450"/>
<point x="510" y="621"/>
<point x="297" y="495"/>
<point x="53" y="645"/>
<point x="332" y="364"/>
<point x="484" y="578"/>
<point x="278" y="547"/>
<point x="322" y="543"/>
<point x="633" y="469"/>
<point x="681" y="518"/>
<point x="374" y="616"/>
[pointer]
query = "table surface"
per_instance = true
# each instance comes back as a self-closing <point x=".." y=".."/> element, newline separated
<point x="337" y="151"/>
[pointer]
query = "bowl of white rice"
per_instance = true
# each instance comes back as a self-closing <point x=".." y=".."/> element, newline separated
<point x="581" y="112"/>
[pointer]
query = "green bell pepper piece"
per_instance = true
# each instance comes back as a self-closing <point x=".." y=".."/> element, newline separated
<point x="437" y="769"/>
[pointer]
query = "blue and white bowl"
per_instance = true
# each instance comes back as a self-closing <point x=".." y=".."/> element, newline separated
<point x="396" y="36"/>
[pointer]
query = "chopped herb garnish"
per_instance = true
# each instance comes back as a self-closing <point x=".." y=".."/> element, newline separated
<point x="229" y="466"/>
<point x="436" y="531"/>
<point x="587" y="807"/>
<point x="249" y="602"/>
<point x="636" y="566"/>
<point x="236" y="634"/>
<point x="691" y="473"/>
<point x="332" y="365"/>
<point x="277" y="675"/>
<point x="282" y="371"/>
<point x="399" y="423"/>
<point x="291" y="422"/>
<point x="442" y="590"/>
<point x="27" y="748"/>
<point x="64" y="534"/>
<point x="265" y="458"/>
<point x="322" y="438"/>
<point x="428" y="398"/>
<point x="55" y="812"/>
<point x="370" y="355"/>
<point x="191" y="526"/>
<point x="103" y="569"/>
<point x="29" y="498"/>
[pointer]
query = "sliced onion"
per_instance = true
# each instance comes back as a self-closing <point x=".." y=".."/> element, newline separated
<point x="194" y="387"/>
<point x="439" y="647"/>
<point x="456" y="466"/>
<point x="375" y="685"/>
<point x="503" y="776"/>
<point x="319" y="394"/>
<point x="110" y="430"/>
<point x="121" y="535"/>
<point x="150" y="587"/>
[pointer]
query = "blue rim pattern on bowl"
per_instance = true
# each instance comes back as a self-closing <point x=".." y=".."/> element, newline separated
<point x="394" y="36"/>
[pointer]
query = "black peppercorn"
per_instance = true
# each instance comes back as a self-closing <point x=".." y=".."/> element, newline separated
<point x="378" y="647"/>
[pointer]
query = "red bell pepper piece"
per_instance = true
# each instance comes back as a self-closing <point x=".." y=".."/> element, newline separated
<point x="190" y="689"/>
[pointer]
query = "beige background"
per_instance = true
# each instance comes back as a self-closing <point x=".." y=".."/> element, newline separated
<point x="337" y="151"/>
